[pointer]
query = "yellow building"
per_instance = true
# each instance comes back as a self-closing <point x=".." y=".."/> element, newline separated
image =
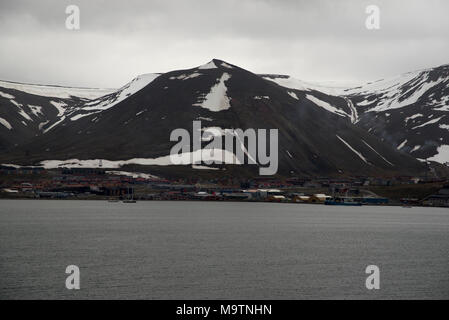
<point x="318" y="198"/>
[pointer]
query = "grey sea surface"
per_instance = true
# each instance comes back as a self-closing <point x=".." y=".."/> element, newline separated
<point x="221" y="250"/>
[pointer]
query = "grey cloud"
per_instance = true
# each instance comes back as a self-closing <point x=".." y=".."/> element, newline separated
<point x="311" y="40"/>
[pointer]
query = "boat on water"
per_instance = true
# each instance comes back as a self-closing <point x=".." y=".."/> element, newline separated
<point x="129" y="201"/>
<point x="342" y="201"/>
<point x="113" y="200"/>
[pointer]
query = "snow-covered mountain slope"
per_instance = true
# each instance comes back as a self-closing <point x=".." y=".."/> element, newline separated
<point x="317" y="134"/>
<point x="24" y="115"/>
<point x="56" y="91"/>
<point x="28" y="110"/>
<point x="409" y="111"/>
<point x="397" y="92"/>
<point x="324" y="95"/>
<point x="107" y="101"/>
<point x="330" y="88"/>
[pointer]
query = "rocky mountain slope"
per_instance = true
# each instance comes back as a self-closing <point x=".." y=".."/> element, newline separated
<point x="321" y="131"/>
<point x="409" y="111"/>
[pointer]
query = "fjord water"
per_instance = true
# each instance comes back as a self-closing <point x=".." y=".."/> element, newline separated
<point x="221" y="250"/>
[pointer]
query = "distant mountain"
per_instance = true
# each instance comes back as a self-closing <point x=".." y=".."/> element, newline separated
<point x="410" y="111"/>
<point x="29" y="110"/>
<point x="322" y="130"/>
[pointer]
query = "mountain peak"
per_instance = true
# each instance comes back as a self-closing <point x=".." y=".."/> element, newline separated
<point x="216" y="63"/>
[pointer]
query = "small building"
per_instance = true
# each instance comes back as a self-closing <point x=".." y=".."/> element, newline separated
<point x="276" y="198"/>
<point x="300" y="198"/>
<point x="252" y="194"/>
<point x="441" y="199"/>
<point x="436" y="200"/>
<point x="318" y="198"/>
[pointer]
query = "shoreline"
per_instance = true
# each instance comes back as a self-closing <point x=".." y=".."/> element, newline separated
<point x="393" y="204"/>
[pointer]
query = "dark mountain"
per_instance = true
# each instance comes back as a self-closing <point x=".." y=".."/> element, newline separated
<point x="409" y="112"/>
<point x="319" y="133"/>
<point x="27" y="111"/>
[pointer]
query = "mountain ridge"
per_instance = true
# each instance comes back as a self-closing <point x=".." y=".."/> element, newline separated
<point x="319" y="132"/>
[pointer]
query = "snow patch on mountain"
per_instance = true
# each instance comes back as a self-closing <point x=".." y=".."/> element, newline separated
<point x="54" y="124"/>
<point x="21" y="111"/>
<point x="353" y="150"/>
<point x="428" y="122"/>
<point x="216" y="100"/>
<point x="186" y="76"/>
<point x="377" y="153"/>
<point x="388" y="86"/>
<point x="43" y="124"/>
<point x="402" y="145"/>
<point x="327" y="106"/>
<point x="140" y="112"/>
<point x="354" y="113"/>
<point x="187" y="158"/>
<point x="56" y="91"/>
<point x="204" y="118"/>
<point x="365" y="103"/>
<point x="415" y="148"/>
<point x="6" y="95"/>
<point x="5" y="124"/>
<point x="79" y="116"/>
<point x="396" y="92"/>
<point x="209" y="65"/>
<point x="293" y="95"/>
<point x="36" y="110"/>
<point x="60" y="106"/>
<point x="395" y="98"/>
<point x="442" y="155"/>
<point x="330" y="87"/>
<point x="121" y="94"/>
<point x="443" y="104"/>
<point x="413" y="117"/>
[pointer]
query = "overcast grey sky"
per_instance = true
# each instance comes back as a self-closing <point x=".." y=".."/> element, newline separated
<point x="320" y="40"/>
